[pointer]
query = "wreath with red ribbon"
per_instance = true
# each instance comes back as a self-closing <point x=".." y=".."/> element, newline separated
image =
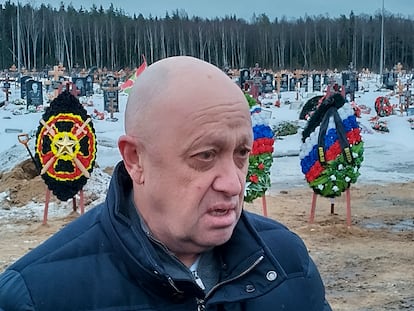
<point x="332" y="149"/>
<point x="65" y="146"/>
<point x="261" y="159"/>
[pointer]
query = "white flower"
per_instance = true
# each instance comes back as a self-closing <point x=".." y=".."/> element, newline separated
<point x="354" y="155"/>
<point x="335" y="188"/>
<point x="332" y="177"/>
<point x="320" y="187"/>
<point x="347" y="179"/>
<point x="246" y="186"/>
<point x="340" y="167"/>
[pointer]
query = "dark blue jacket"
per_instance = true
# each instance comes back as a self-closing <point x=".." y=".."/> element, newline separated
<point x="102" y="261"/>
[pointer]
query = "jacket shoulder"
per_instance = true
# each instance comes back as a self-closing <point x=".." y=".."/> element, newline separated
<point x="69" y="242"/>
<point x="13" y="292"/>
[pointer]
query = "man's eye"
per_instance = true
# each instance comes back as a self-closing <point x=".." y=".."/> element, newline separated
<point x="244" y="152"/>
<point x="205" y="155"/>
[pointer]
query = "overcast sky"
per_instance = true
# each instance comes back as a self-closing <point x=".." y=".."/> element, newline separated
<point x="245" y="8"/>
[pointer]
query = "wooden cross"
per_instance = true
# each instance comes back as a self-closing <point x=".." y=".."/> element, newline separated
<point x="56" y="73"/>
<point x="13" y="68"/>
<point x="83" y="73"/>
<point x="278" y="80"/>
<point x="111" y="88"/>
<point x="6" y="88"/>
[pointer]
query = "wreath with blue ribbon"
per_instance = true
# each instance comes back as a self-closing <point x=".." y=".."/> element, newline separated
<point x="332" y="148"/>
<point x="261" y="159"/>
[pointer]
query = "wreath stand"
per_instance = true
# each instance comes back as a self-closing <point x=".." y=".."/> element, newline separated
<point x="264" y="205"/>
<point x="47" y="201"/>
<point x="348" y="208"/>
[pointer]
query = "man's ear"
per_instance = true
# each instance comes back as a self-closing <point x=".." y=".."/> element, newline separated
<point x="132" y="154"/>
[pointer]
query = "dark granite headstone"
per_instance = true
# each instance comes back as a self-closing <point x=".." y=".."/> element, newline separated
<point x="284" y="83"/>
<point x="34" y="93"/>
<point x="317" y="82"/>
<point x="80" y="83"/>
<point x="267" y="85"/>
<point x="23" y="86"/>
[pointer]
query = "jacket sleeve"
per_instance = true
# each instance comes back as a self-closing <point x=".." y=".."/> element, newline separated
<point x="14" y="295"/>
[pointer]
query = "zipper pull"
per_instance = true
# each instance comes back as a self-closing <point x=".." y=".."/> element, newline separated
<point x="198" y="280"/>
<point x="200" y="305"/>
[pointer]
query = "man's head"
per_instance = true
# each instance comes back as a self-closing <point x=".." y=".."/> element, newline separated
<point x="186" y="148"/>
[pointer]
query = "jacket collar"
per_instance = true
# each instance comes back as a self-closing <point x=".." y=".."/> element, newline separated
<point x="243" y="252"/>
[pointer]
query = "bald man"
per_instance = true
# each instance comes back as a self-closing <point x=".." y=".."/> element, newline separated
<point x="172" y="234"/>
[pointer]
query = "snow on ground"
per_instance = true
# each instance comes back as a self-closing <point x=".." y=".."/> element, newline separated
<point x="388" y="157"/>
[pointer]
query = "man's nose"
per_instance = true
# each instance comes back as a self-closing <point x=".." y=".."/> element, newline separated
<point x="229" y="179"/>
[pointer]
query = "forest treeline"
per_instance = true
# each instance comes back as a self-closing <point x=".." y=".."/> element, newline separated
<point x="108" y="37"/>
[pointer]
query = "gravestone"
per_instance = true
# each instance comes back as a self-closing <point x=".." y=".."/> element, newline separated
<point x="89" y="85"/>
<point x="350" y="83"/>
<point x="304" y="82"/>
<point x="244" y="77"/>
<point x="326" y="79"/>
<point x="80" y="83"/>
<point x="389" y="80"/>
<point x="23" y="86"/>
<point x="317" y="82"/>
<point x="284" y="83"/>
<point x="267" y="84"/>
<point x="34" y="93"/>
<point x="292" y="84"/>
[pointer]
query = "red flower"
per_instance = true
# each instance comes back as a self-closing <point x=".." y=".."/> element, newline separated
<point x="262" y="145"/>
<point x="261" y="166"/>
<point x="254" y="179"/>
<point x="354" y="136"/>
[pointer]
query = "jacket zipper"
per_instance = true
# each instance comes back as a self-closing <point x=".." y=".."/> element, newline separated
<point x="201" y="306"/>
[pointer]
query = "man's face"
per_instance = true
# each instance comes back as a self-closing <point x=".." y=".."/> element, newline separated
<point x="195" y="174"/>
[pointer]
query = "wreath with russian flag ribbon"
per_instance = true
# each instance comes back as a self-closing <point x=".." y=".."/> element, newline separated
<point x="332" y="148"/>
<point x="261" y="159"/>
<point x="65" y="146"/>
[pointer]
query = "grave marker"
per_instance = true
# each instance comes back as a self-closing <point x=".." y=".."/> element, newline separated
<point x="80" y="83"/>
<point x="350" y="83"/>
<point x="284" y="83"/>
<point x="244" y="78"/>
<point x="111" y="90"/>
<point x="89" y="85"/>
<point x="34" y="93"/>
<point x="6" y="88"/>
<point x="317" y="82"/>
<point x="389" y="80"/>
<point x="267" y="84"/>
<point x="57" y="72"/>
<point x="23" y="86"/>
